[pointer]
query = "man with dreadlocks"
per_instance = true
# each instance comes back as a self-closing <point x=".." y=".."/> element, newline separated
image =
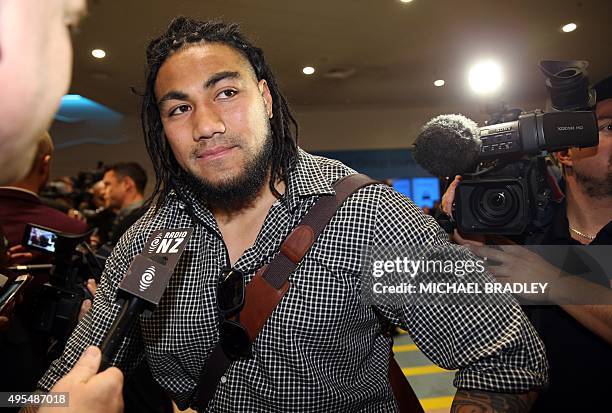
<point x="224" y="146"/>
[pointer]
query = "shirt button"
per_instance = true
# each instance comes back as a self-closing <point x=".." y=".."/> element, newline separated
<point x="223" y="379"/>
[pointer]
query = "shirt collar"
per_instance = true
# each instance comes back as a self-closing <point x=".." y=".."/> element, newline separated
<point x="131" y="207"/>
<point x="559" y="229"/>
<point x="306" y="179"/>
<point x="15" y="188"/>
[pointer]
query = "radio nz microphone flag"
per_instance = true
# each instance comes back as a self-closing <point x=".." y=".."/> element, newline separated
<point x="144" y="283"/>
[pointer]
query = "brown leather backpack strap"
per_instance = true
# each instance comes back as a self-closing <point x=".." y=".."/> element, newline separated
<point x="259" y="302"/>
<point x="266" y="289"/>
<point x="301" y="239"/>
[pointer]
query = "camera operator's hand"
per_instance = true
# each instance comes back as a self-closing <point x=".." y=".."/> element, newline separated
<point x="90" y="392"/>
<point x="519" y="265"/>
<point x="94" y="241"/>
<point x="5" y="318"/>
<point x="16" y="254"/>
<point x="4" y="323"/>
<point x="7" y="313"/>
<point x="449" y="196"/>
<point x="447" y="206"/>
<point x="76" y="214"/>
<point x="92" y="287"/>
<point x="476" y="240"/>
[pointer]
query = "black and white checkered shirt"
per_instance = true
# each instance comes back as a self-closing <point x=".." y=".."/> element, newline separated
<point x="321" y="350"/>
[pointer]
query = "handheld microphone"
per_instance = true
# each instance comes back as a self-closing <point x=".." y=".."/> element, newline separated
<point x="144" y="284"/>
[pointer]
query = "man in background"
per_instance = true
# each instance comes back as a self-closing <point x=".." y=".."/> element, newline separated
<point x="20" y="202"/>
<point x="101" y="216"/>
<point x="124" y="185"/>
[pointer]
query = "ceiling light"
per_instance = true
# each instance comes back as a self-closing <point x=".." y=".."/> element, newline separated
<point x="406" y="1"/>
<point x="570" y="27"/>
<point x="98" y="53"/>
<point x="439" y="83"/>
<point x="485" y="77"/>
<point x="308" y="70"/>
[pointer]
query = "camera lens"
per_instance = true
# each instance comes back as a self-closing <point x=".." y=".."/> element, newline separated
<point x="497" y="203"/>
<point x="495" y="206"/>
<point x="498" y="200"/>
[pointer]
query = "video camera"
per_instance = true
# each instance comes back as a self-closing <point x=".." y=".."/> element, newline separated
<point x="510" y="190"/>
<point x="79" y="192"/>
<point x="58" y="302"/>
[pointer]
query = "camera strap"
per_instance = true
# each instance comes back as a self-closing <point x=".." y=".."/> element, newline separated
<point x="268" y="286"/>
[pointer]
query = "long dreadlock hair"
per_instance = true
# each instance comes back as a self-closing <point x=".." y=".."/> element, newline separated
<point x="183" y="32"/>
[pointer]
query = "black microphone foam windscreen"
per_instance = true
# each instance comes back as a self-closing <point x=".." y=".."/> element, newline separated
<point x="447" y="145"/>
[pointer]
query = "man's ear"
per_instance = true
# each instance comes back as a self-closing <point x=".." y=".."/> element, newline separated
<point x="565" y="158"/>
<point x="43" y="171"/>
<point x="267" y="96"/>
<point x="44" y="168"/>
<point x="128" y="182"/>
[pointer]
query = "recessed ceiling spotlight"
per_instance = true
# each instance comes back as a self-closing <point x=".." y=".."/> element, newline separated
<point x="308" y="70"/>
<point x="406" y="1"/>
<point x="98" y="53"/>
<point x="570" y="27"/>
<point x="439" y="83"/>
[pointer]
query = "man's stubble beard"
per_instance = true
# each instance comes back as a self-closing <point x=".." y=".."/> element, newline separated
<point x="595" y="187"/>
<point x="237" y="192"/>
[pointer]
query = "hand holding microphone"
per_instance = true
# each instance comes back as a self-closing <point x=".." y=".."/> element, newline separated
<point x="144" y="284"/>
<point x="89" y="392"/>
<point x="141" y="289"/>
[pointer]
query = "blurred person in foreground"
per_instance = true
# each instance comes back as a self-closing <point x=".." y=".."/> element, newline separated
<point x="35" y="70"/>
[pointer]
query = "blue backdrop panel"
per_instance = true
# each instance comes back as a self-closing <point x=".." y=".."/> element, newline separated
<point x="379" y="163"/>
<point x="406" y="176"/>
